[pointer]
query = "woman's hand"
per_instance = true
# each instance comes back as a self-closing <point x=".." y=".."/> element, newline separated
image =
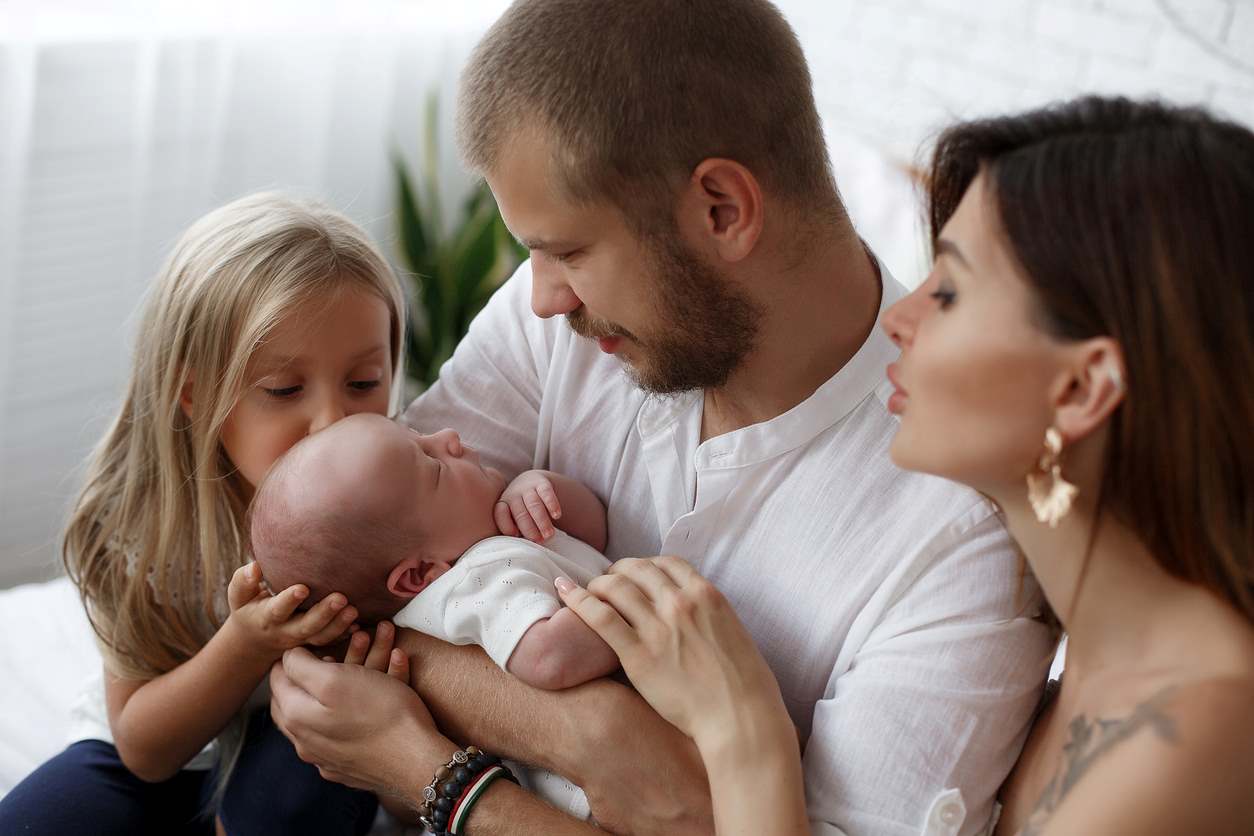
<point x="683" y="648"/>
<point x="269" y="624"/>
<point x="359" y="726"/>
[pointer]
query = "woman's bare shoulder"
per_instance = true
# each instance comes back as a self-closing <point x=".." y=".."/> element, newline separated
<point x="1181" y="762"/>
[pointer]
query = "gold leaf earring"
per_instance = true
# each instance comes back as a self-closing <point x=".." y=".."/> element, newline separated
<point x="1050" y="494"/>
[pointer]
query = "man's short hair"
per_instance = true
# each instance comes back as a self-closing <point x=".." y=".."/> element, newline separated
<point x="634" y="95"/>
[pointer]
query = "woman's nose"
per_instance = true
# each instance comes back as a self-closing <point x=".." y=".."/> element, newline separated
<point x="902" y="318"/>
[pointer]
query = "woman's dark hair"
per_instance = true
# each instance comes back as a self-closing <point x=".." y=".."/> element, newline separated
<point x="1135" y="220"/>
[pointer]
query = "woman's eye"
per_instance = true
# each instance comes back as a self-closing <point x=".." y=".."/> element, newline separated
<point x="943" y="297"/>
<point x="284" y="392"/>
<point x="363" y="385"/>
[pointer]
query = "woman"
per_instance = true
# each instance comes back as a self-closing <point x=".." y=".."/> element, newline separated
<point x="1082" y="353"/>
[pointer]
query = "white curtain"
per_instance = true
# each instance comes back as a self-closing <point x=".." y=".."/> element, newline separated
<point x="119" y="125"/>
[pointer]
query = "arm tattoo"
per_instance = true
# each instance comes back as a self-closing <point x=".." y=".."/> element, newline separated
<point x="1089" y="741"/>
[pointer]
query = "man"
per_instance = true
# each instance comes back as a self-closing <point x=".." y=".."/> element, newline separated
<point x="664" y="162"/>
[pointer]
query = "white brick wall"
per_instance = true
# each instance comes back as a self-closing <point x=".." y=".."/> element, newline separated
<point x="888" y="74"/>
<point x="893" y="71"/>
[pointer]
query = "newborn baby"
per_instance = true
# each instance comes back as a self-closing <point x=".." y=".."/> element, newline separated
<point x="409" y="526"/>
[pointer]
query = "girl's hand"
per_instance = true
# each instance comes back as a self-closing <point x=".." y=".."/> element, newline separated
<point x="683" y="648"/>
<point x="379" y="655"/>
<point x="270" y="623"/>
<point x="528" y="507"/>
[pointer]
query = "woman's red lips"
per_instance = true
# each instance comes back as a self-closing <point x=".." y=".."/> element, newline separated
<point x="896" y="401"/>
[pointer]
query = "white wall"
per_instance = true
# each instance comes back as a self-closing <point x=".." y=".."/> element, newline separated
<point x="121" y="122"/>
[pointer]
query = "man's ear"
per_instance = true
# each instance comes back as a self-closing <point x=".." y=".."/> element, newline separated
<point x="412" y="575"/>
<point x="726" y="199"/>
<point x="185" y="396"/>
<point x="1092" y="390"/>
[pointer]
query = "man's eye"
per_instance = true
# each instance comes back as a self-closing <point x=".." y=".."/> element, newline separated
<point x="563" y="258"/>
<point x="285" y="392"/>
<point x="363" y="385"/>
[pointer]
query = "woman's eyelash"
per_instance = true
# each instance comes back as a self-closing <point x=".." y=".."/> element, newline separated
<point x="285" y="392"/>
<point x="944" y="297"/>
<point x="364" y="385"/>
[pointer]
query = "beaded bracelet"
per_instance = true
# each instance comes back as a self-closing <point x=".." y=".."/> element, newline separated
<point x="456" y="787"/>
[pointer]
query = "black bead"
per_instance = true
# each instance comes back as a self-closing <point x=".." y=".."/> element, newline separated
<point x="461" y="775"/>
<point x="444" y="804"/>
<point x="476" y="765"/>
<point x="440" y="818"/>
<point x="493" y="760"/>
<point x="452" y="789"/>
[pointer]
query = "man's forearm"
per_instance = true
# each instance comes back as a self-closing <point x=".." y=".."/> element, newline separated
<point x="508" y="810"/>
<point x="476" y="703"/>
<point x="641" y="774"/>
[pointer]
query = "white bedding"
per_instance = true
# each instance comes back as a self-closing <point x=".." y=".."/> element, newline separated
<point x="46" y="652"/>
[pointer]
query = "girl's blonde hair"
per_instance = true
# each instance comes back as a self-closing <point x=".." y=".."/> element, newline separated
<point x="159" y="526"/>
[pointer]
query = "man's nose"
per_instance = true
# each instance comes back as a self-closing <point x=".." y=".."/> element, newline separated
<point x="550" y="295"/>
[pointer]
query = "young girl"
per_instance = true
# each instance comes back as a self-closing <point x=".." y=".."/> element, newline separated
<point x="272" y="319"/>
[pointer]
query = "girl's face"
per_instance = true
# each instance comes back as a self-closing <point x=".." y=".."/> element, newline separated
<point x="320" y="363"/>
<point x="975" y="374"/>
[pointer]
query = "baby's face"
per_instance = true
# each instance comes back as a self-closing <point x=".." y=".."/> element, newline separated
<point x="431" y="486"/>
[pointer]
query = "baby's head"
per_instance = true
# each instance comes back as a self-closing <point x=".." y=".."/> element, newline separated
<point x="373" y="510"/>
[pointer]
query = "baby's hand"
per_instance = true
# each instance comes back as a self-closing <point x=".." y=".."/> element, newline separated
<point x="378" y="655"/>
<point x="271" y="624"/>
<point x="528" y="507"/>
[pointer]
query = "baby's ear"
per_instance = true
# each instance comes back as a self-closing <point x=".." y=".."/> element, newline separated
<point x="411" y="576"/>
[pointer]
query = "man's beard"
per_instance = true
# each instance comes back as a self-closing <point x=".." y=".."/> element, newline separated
<point x="705" y="327"/>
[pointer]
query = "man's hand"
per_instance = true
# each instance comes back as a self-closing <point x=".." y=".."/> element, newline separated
<point x="359" y="726"/>
<point x="641" y="775"/>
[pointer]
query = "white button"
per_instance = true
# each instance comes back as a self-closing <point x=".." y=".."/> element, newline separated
<point x="951" y="815"/>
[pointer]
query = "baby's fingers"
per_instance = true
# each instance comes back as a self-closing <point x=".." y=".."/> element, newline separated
<point x="505" y="519"/>
<point x="545" y="489"/>
<point x="522" y="520"/>
<point x="539" y="511"/>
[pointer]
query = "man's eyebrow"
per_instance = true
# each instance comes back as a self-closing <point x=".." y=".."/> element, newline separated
<point x="944" y="246"/>
<point x="545" y="246"/>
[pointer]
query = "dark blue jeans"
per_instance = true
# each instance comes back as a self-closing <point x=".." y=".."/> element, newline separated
<point x="87" y="790"/>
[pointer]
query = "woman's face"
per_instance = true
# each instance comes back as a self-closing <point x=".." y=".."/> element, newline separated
<point x="320" y="363"/>
<point x="975" y="373"/>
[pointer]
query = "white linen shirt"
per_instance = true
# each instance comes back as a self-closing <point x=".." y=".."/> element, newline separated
<point x="890" y="605"/>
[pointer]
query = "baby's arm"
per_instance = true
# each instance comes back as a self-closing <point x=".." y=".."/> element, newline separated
<point x="538" y="500"/>
<point x="560" y="652"/>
